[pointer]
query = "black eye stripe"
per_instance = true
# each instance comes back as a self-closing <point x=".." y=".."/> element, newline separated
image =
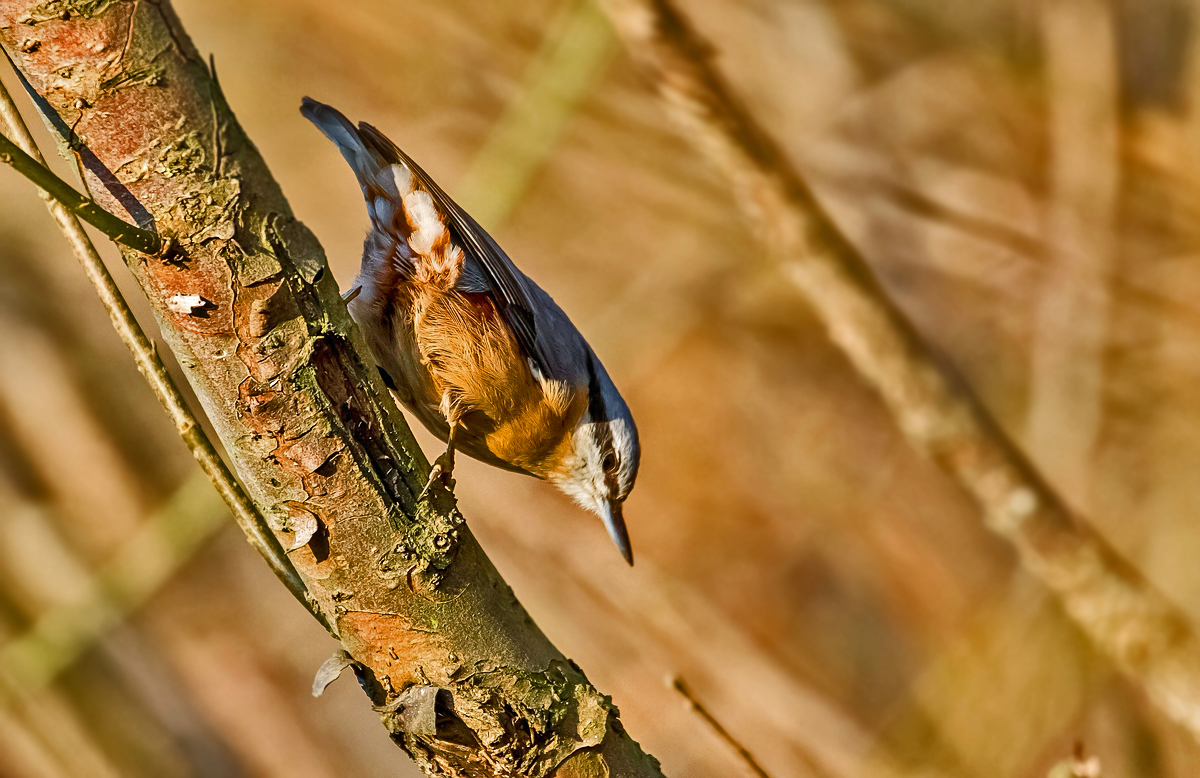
<point x="601" y="431"/>
<point x="610" y="476"/>
<point x="596" y="409"/>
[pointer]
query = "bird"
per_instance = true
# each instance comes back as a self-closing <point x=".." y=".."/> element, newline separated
<point x="471" y="346"/>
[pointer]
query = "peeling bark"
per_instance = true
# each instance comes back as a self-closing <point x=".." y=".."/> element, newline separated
<point x="266" y="343"/>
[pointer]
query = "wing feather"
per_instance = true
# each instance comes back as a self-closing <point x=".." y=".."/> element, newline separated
<point x="507" y="284"/>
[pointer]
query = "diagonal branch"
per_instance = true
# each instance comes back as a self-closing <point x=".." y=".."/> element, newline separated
<point x="66" y="206"/>
<point x="75" y="204"/>
<point x="257" y="323"/>
<point x="1150" y="639"/>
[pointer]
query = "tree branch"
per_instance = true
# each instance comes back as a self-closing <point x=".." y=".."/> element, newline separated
<point x="1150" y="639"/>
<point x="257" y="323"/>
<point x="144" y="355"/>
<point x="75" y="203"/>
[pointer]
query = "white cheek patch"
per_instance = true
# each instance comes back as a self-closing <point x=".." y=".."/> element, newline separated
<point x="578" y="478"/>
<point x="625" y="443"/>
<point x="582" y="497"/>
<point x="622" y="439"/>
<point x="573" y="484"/>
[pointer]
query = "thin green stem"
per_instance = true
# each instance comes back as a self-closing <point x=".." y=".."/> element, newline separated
<point x="75" y="203"/>
<point x="247" y="515"/>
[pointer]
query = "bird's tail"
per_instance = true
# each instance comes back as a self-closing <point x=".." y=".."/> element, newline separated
<point x="408" y="223"/>
<point x="368" y="166"/>
<point x="384" y="183"/>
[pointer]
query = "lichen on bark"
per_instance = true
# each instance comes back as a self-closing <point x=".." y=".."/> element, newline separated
<point x="278" y="366"/>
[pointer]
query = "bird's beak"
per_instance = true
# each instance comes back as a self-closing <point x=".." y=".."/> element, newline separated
<point x="614" y="522"/>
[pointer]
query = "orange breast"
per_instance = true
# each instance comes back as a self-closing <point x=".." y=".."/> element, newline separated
<point x="455" y="346"/>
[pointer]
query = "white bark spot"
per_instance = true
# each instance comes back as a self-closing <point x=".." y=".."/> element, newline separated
<point x="189" y="304"/>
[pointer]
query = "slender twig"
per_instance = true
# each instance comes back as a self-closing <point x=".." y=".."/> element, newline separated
<point x="76" y="204"/>
<point x="685" y="691"/>
<point x="151" y="367"/>
<point x="287" y="380"/>
<point x="1149" y="638"/>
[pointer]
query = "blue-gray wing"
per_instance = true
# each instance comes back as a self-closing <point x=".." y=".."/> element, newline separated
<point x="508" y="286"/>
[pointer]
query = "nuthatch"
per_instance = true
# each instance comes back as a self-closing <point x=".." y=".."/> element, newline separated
<point x="473" y="347"/>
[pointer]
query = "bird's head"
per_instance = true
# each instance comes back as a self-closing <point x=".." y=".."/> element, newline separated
<point x="601" y="464"/>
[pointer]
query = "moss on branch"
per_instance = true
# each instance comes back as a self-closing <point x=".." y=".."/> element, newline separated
<point x="257" y="322"/>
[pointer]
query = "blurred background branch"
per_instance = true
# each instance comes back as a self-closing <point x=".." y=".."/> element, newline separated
<point x="1148" y="637"/>
<point x="575" y="50"/>
<point x="67" y="207"/>
<point x="62" y="634"/>
<point x="825" y="591"/>
<point x="752" y="765"/>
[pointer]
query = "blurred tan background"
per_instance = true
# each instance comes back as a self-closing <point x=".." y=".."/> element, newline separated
<point x="1023" y="177"/>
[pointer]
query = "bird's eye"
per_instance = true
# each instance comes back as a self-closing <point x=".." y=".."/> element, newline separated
<point x="610" y="462"/>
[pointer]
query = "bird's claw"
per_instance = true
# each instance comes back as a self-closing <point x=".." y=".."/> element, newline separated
<point x="441" y="473"/>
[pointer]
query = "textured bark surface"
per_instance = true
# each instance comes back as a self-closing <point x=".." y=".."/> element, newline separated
<point x="249" y="310"/>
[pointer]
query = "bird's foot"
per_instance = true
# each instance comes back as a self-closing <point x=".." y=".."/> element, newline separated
<point x="442" y="473"/>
